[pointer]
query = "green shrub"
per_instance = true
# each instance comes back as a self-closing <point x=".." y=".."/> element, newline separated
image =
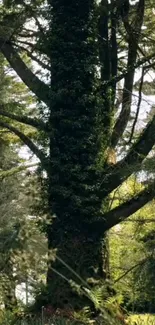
<point x="145" y="319"/>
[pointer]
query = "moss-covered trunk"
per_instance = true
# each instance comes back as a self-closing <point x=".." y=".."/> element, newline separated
<point x="77" y="144"/>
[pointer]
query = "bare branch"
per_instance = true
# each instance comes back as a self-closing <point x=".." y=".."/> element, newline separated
<point x="38" y="87"/>
<point x="35" y="58"/>
<point x="38" y="124"/>
<point x="131" y="269"/>
<point x="138" y="64"/>
<point x="138" y="105"/>
<point x="26" y="140"/>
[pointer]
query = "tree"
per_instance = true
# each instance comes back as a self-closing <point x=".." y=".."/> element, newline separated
<point x="81" y="43"/>
<point x="18" y="233"/>
<point x="22" y="259"/>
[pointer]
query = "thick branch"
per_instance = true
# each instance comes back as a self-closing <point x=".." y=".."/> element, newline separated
<point x="120" y="213"/>
<point x="38" y="87"/>
<point x="133" y="34"/>
<point x="115" y="175"/>
<point x="38" y="124"/>
<point x="26" y="140"/>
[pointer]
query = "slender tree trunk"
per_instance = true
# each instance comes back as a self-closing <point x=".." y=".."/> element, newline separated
<point x="76" y="148"/>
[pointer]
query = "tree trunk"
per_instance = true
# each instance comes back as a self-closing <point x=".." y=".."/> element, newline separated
<point x="83" y="254"/>
<point x="77" y="146"/>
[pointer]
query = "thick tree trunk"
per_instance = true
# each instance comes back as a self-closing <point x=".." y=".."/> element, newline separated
<point x="82" y="253"/>
<point x="76" y="148"/>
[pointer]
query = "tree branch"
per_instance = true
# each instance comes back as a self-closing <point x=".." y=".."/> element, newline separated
<point x="138" y="105"/>
<point x="35" y="58"/>
<point x="15" y="170"/>
<point x="131" y="269"/>
<point x="115" y="175"/>
<point x="120" y="213"/>
<point x="134" y="35"/>
<point x="38" y="87"/>
<point x="26" y="140"/>
<point x="38" y="124"/>
<point x="138" y="64"/>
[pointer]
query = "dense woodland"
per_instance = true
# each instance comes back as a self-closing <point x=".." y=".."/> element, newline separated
<point x="77" y="159"/>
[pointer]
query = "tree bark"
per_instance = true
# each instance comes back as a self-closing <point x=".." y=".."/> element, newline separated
<point x="81" y="252"/>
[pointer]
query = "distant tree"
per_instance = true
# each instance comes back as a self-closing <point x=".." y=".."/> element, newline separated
<point x="18" y="233"/>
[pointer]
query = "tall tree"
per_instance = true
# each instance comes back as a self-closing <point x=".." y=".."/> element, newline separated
<point x="88" y="48"/>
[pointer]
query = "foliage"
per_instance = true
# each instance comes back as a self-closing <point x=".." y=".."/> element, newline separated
<point x="132" y="260"/>
<point x="19" y="234"/>
<point x="144" y="319"/>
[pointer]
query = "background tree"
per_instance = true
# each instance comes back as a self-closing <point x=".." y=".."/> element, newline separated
<point x="18" y="232"/>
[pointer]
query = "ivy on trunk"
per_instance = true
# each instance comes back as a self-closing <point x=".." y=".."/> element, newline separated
<point x="82" y="48"/>
<point x="76" y="144"/>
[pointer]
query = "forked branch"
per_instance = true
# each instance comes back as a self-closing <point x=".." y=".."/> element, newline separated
<point x="123" y="211"/>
